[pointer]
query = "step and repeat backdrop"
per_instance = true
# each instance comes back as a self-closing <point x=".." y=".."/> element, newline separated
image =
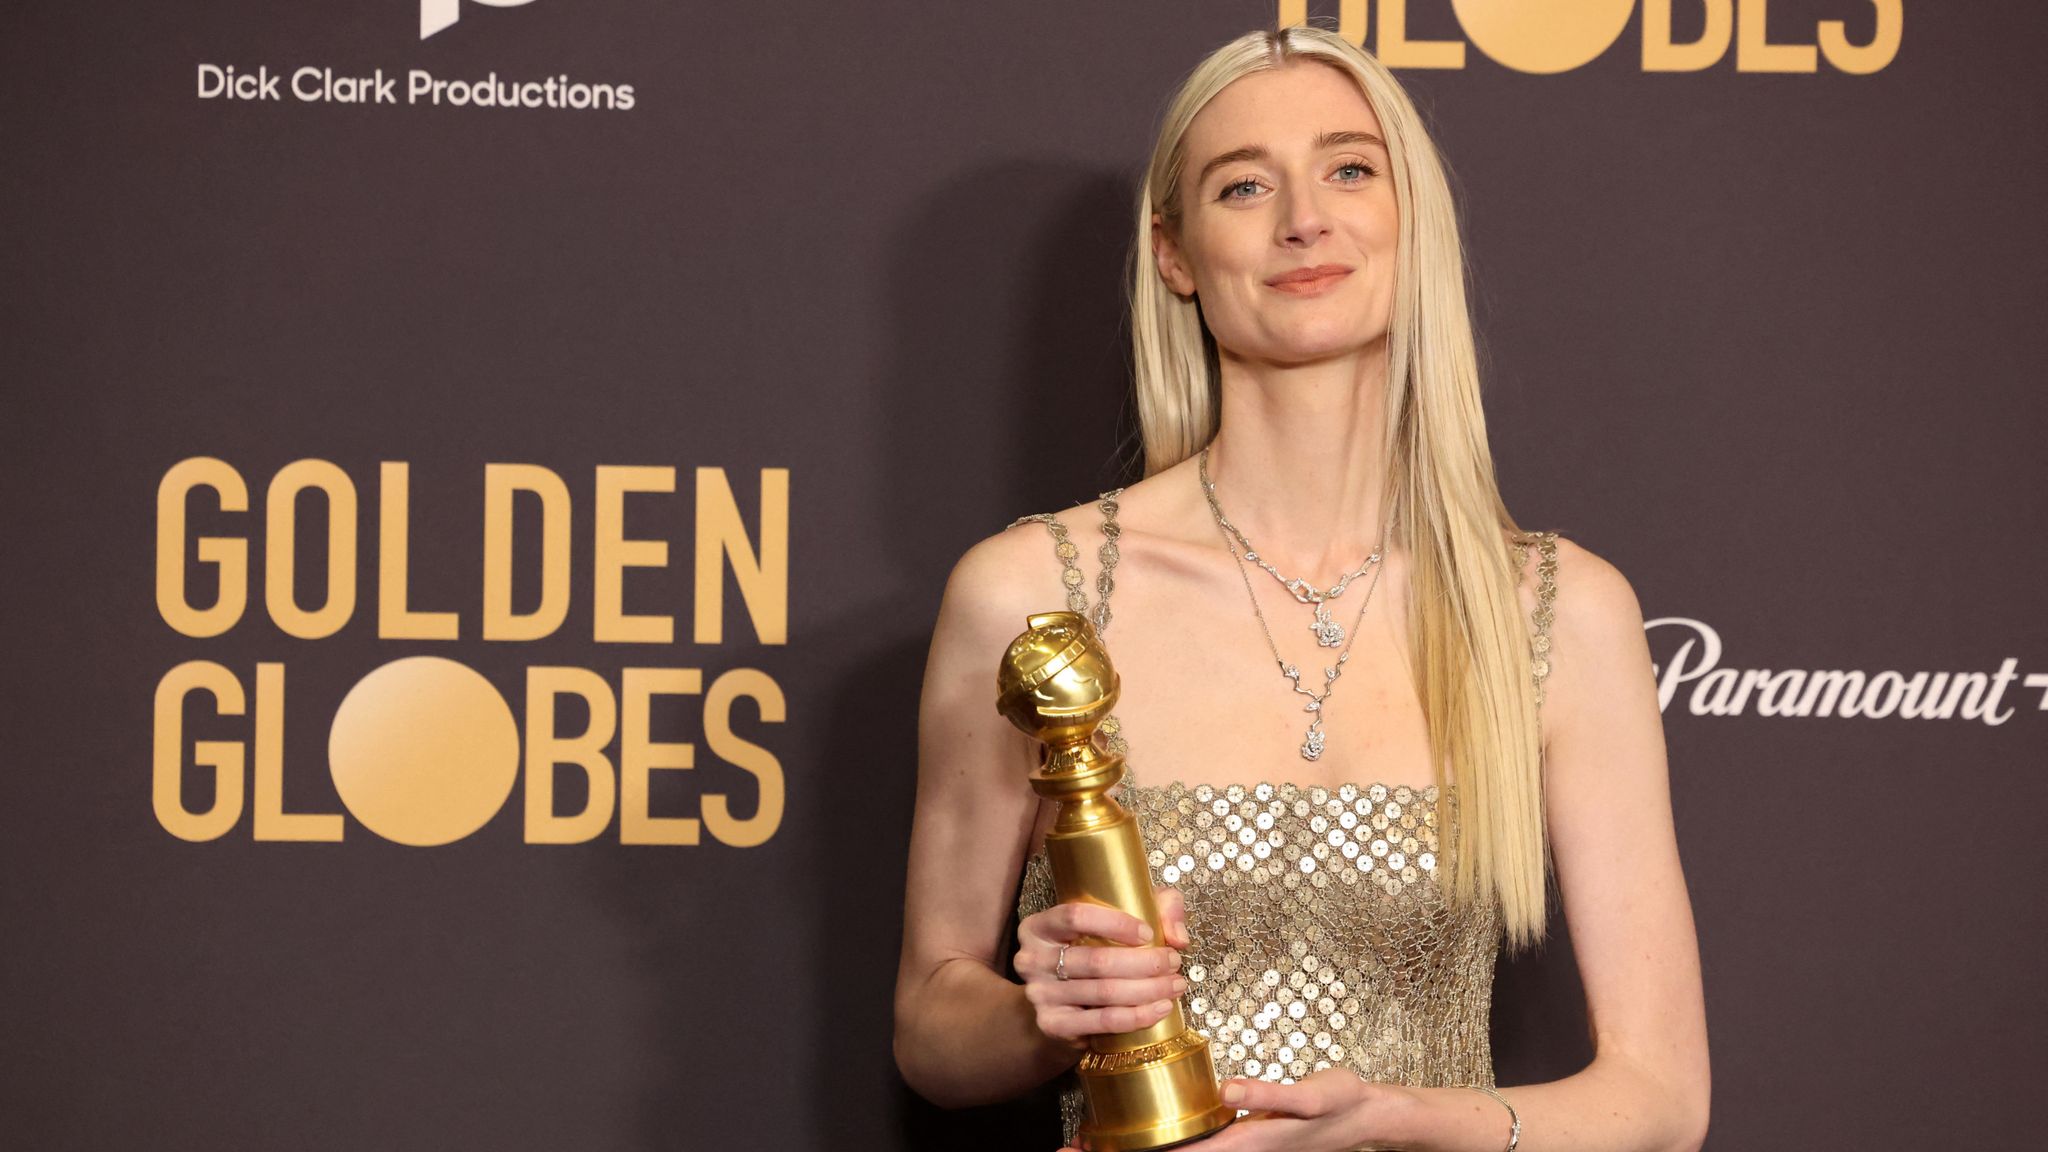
<point x="479" y="476"/>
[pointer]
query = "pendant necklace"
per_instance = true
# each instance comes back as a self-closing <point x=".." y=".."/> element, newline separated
<point x="1312" y="740"/>
<point x="1329" y="633"/>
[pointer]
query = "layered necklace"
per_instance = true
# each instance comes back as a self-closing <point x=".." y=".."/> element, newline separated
<point x="1329" y="633"/>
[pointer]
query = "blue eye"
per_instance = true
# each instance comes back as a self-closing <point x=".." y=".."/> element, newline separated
<point x="1230" y="188"/>
<point x="1365" y="170"/>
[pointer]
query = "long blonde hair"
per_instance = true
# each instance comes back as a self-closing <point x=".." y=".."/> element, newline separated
<point x="1470" y="646"/>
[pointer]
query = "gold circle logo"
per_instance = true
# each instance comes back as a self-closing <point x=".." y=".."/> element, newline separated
<point x="423" y="751"/>
<point x="1543" y="36"/>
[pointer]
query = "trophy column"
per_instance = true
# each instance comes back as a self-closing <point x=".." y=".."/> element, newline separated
<point x="1153" y="1087"/>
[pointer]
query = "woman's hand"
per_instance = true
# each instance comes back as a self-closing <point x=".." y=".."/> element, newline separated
<point x="1328" y="1111"/>
<point x="1116" y="988"/>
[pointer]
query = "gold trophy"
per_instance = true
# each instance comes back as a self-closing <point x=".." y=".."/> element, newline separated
<point x="1155" y="1087"/>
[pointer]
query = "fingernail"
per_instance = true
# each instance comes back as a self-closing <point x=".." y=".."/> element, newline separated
<point x="1163" y="1007"/>
<point x="1180" y="985"/>
<point x="1145" y="933"/>
<point x="1232" y="1094"/>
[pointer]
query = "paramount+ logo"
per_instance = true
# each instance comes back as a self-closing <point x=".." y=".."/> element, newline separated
<point x="438" y="14"/>
<point x="1551" y="36"/>
<point x="424" y="750"/>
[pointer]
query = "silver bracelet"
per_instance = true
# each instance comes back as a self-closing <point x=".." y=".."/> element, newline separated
<point x="1514" y="1121"/>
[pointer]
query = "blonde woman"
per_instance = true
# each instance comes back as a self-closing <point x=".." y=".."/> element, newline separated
<point x="1366" y="716"/>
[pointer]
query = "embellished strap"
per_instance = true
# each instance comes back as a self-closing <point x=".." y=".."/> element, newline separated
<point x="1076" y="583"/>
<point x="1069" y="554"/>
<point x="1546" y="596"/>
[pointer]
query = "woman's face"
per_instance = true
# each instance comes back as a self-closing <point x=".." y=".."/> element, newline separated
<point x="1288" y="223"/>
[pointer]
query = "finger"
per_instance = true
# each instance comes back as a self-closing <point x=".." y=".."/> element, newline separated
<point x="1103" y="993"/>
<point x="1258" y="1132"/>
<point x="1173" y="914"/>
<point x="1070" y="1021"/>
<point x="1304" y="1099"/>
<point x="1066" y="923"/>
<point x="1088" y="962"/>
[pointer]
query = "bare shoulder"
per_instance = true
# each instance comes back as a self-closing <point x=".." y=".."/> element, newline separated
<point x="1598" y="658"/>
<point x="1591" y="599"/>
<point x="1000" y="581"/>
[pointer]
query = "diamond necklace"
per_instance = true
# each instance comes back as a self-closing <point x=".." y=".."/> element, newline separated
<point x="1329" y="633"/>
<point x="1312" y="741"/>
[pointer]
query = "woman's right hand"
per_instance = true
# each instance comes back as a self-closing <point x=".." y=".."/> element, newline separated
<point x="1115" y="988"/>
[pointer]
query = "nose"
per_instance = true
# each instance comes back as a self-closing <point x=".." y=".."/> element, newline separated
<point x="1302" y="219"/>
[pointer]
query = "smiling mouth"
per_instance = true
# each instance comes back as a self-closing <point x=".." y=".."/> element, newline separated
<point x="1309" y="281"/>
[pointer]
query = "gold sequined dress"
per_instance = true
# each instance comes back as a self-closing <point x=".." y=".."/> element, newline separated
<point x="1318" y="935"/>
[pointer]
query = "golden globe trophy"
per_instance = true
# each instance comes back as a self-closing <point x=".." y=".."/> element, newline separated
<point x="1154" y="1087"/>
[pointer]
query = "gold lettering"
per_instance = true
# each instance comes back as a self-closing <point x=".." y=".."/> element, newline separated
<point x="272" y="821"/>
<point x="639" y="755"/>
<point x="1661" y="54"/>
<point x="615" y="554"/>
<point x="1753" y="53"/>
<point x="1350" y="18"/>
<point x="228" y="555"/>
<point x="396" y="621"/>
<point x="1541" y="39"/>
<point x="501" y="482"/>
<point x="742" y="753"/>
<point x="1863" y="59"/>
<point x="167" y="768"/>
<point x="763" y="576"/>
<point x="1397" y="51"/>
<point x="281" y="526"/>
<point x="545" y="750"/>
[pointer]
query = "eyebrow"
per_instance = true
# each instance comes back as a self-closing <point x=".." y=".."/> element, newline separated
<point x="1257" y="152"/>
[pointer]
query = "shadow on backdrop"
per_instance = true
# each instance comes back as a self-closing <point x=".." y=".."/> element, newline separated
<point x="1006" y="296"/>
<point x="1539" y="1012"/>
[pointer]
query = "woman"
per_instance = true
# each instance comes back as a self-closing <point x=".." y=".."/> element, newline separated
<point x="1349" y="752"/>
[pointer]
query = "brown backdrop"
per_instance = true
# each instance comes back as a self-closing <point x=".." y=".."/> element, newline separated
<point x="1768" y="341"/>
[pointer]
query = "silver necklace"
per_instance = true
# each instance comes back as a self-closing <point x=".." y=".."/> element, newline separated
<point x="1329" y="633"/>
<point x="1312" y="740"/>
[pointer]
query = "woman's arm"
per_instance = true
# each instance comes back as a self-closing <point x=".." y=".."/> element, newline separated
<point x="965" y="1034"/>
<point x="1607" y="795"/>
<point x="1608" y="799"/>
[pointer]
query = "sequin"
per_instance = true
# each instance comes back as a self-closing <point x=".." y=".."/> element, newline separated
<point x="1405" y="979"/>
<point x="1382" y="976"/>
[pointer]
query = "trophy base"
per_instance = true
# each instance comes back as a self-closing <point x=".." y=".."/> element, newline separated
<point x="1152" y="1098"/>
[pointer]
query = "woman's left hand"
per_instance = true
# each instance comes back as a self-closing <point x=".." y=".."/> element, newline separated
<point x="1328" y="1111"/>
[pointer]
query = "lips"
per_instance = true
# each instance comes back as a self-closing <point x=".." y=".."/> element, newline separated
<point x="1307" y="280"/>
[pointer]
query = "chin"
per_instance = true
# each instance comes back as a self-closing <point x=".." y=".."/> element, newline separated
<point x="1308" y="345"/>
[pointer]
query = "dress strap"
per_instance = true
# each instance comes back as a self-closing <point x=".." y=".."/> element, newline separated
<point x="1069" y="554"/>
<point x="1076" y="583"/>
<point x="1546" y="597"/>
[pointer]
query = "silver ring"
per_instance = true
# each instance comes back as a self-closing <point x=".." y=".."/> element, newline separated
<point x="1059" y="970"/>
